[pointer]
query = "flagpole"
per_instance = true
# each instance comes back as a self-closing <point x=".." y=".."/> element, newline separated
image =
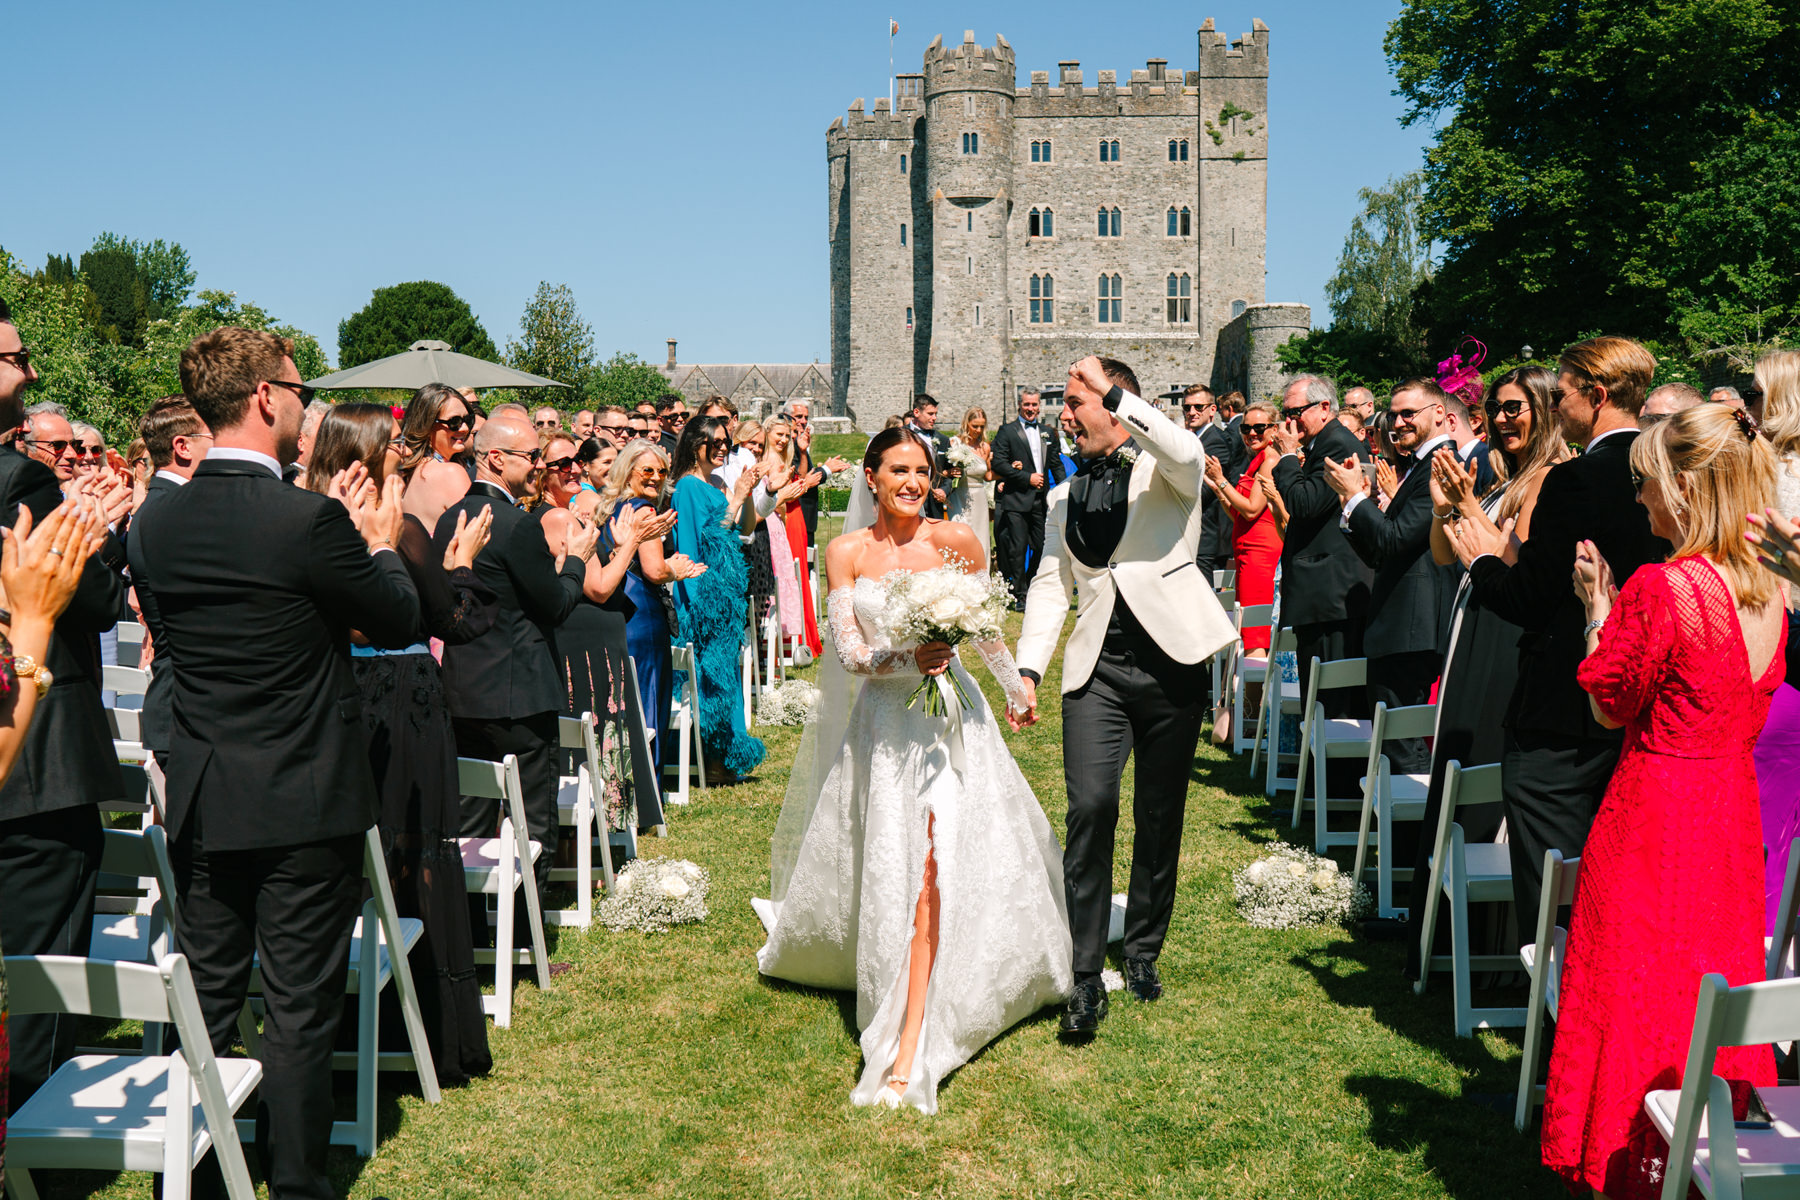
<point x="891" y="24"/>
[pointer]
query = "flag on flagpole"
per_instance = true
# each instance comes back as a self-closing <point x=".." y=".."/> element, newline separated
<point x="893" y="27"/>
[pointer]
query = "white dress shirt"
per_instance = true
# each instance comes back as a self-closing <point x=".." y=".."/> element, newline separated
<point x="239" y="454"/>
<point x="1419" y="457"/>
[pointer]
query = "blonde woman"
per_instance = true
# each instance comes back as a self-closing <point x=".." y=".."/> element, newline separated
<point x="787" y="535"/>
<point x="1774" y="399"/>
<point x="1685" y="658"/>
<point x="968" y="499"/>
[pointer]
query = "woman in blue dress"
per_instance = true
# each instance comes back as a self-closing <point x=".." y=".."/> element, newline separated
<point x="712" y="609"/>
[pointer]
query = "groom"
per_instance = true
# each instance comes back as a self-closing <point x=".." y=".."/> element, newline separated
<point x="1123" y="531"/>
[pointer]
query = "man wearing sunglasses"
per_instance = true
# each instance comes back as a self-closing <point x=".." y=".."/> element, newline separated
<point x="1200" y="415"/>
<point x="671" y="417"/>
<point x="50" y="439"/>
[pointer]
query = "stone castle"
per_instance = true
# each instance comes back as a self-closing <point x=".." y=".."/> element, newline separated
<point x="984" y="235"/>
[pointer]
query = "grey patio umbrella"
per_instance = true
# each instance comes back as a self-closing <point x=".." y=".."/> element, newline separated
<point x="431" y="362"/>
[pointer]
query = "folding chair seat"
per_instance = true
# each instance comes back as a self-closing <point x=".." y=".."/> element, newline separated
<point x="111" y="1112"/>
<point x="502" y="867"/>
<point x="1543" y="962"/>
<point x="684" y="725"/>
<point x="1325" y="738"/>
<point x="131" y="643"/>
<point x="1388" y="797"/>
<point x="1706" y="1147"/>
<point x="578" y="806"/>
<point x="1245" y="671"/>
<point x="1466" y="874"/>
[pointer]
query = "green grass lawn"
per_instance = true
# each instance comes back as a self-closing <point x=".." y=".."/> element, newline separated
<point x="1277" y="1064"/>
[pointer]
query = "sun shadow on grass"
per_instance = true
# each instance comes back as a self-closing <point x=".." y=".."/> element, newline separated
<point x="1468" y="1145"/>
<point x="845" y="1001"/>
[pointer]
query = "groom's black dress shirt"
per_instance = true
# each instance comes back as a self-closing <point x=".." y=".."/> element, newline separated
<point x="1098" y="493"/>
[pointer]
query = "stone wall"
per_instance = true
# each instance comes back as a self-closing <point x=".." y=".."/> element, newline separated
<point x="1246" y="361"/>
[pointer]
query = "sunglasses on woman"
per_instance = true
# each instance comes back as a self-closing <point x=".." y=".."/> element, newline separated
<point x="563" y="464"/>
<point x="456" y="424"/>
<point x="1512" y="408"/>
<point x="1257" y="430"/>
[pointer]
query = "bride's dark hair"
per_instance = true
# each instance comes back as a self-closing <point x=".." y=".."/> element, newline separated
<point x="886" y="440"/>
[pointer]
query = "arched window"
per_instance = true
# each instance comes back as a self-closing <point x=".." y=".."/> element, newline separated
<point x="909" y="318"/>
<point x="1107" y="222"/>
<point x="1187" y="221"/>
<point x="1040" y="222"/>
<point x="1040" y="151"/>
<point x="903" y="164"/>
<point x="1049" y="223"/>
<point x="1237" y="309"/>
<point x="903" y="233"/>
<point x="1180" y="302"/>
<point x="1109" y="305"/>
<point x="971" y="143"/>
<point x="1109" y="149"/>
<point x="1174" y="221"/>
<point x="1178" y="150"/>
<point x="1043" y="300"/>
<point x="1181" y="221"/>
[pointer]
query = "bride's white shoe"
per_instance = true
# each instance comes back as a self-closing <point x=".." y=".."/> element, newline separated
<point x="888" y="1097"/>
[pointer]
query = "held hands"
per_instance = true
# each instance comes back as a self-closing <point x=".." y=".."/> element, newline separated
<point x="1347" y="478"/>
<point x="1450" y="480"/>
<point x="795" y="489"/>
<point x="933" y="658"/>
<point x="682" y="567"/>
<point x="1029" y="716"/>
<point x="469" y="538"/>
<point x="41" y="568"/>
<point x="1594" y="585"/>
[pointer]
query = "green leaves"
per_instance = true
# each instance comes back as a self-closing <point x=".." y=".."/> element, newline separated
<point x="553" y="339"/>
<point x="624" y="380"/>
<point x="396" y="317"/>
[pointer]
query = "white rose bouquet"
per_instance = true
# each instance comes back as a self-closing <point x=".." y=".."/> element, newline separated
<point x="653" y="894"/>
<point x="949" y="605"/>
<point x="1293" y="887"/>
<point x="793" y="703"/>
<point x="966" y="458"/>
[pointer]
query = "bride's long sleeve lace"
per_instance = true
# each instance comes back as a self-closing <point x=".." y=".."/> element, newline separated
<point x="858" y="657"/>
<point x="999" y="660"/>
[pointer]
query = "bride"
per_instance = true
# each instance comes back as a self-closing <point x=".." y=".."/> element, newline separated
<point x="911" y="860"/>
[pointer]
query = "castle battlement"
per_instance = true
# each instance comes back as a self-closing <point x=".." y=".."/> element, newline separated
<point x="970" y="66"/>
<point x="1247" y="57"/>
<point x="880" y="123"/>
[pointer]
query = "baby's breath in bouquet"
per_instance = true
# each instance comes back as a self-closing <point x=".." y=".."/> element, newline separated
<point x="1293" y="887"/>
<point x="949" y="605"/>
<point x="966" y="458"/>
<point x="652" y="894"/>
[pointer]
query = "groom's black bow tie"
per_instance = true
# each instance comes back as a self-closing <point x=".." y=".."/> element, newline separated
<point x="1106" y="463"/>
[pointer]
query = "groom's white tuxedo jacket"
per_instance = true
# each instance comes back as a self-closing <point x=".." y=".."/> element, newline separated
<point x="1153" y="566"/>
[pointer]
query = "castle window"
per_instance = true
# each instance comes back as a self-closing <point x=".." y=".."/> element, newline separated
<point x="1040" y="152"/>
<point x="971" y="143"/>
<point x="1181" y="221"/>
<point x="1109" y="150"/>
<point x="1237" y="309"/>
<point x="909" y="318"/>
<point x="971" y="264"/>
<point x="1178" y="150"/>
<point x="1107" y="222"/>
<point x="1180" y="302"/>
<point x="1041" y="222"/>
<point x="903" y="164"/>
<point x="1043" y="300"/>
<point x="903" y="231"/>
<point x="978" y="314"/>
<point x="1112" y="288"/>
<point x="971" y="224"/>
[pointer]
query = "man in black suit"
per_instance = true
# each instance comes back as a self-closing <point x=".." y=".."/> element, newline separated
<point x="49" y="824"/>
<point x="176" y="439"/>
<point x="1324" y="584"/>
<point x="1471" y="450"/>
<point x="1557" y="760"/>
<point x="250" y="588"/>
<point x="923" y="420"/>
<point x="671" y="415"/>
<point x="1027" y="464"/>
<point x="505" y="688"/>
<point x="1408" y="620"/>
<point x="1200" y="414"/>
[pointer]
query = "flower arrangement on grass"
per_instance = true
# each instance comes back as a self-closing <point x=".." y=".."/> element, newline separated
<point x="1292" y="888"/>
<point x="793" y="703"/>
<point x="653" y="894"/>
<point x="949" y="605"/>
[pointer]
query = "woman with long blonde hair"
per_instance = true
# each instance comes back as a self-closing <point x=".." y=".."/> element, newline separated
<point x="968" y="498"/>
<point x="787" y="536"/>
<point x="1685" y="658"/>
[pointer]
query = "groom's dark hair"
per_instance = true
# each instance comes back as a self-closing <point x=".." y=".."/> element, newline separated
<point x="1121" y="375"/>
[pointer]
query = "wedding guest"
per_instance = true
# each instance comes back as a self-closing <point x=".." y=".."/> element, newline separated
<point x="787" y="532"/>
<point x="562" y="477"/>
<point x="641" y="426"/>
<point x="968" y="501"/>
<point x="1668" y="400"/>
<point x="1027" y="461"/>
<point x="546" y="418"/>
<point x="1199" y="413"/>
<point x="1352" y="420"/>
<point x="438" y="426"/>
<point x="747" y="444"/>
<point x="309" y="430"/>
<point x="1256" y="543"/>
<point x="922" y="417"/>
<point x="1471" y="450"/>
<point x="612" y="425"/>
<point x="597" y="457"/>
<point x="505" y="687"/>
<point x="710" y="608"/>
<point x="582" y="425"/>
<point x="248" y="588"/>
<point x="799" y="415"/>
<point x="1324" y="585"/>
<point x="1557" y="758"/>
<point x="671" y="416"/>
<point x="89" y="451"/>
<point x="50" y="439"/>
<point x="1408" y="617"/>
<point x="411" y="745"/>
<point x="1728" y="396"/>
<point x="1361" y="401"/>
<point x="1685" y="658"/>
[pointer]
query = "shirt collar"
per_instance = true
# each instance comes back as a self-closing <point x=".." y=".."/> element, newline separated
<point x="239" y="454"/>
<point x="1589" y="448"/>
<point x="171" y="476"/>
<point x="1429" y="448"/>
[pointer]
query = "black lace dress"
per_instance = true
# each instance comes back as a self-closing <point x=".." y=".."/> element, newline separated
<point x="412" y="750"/>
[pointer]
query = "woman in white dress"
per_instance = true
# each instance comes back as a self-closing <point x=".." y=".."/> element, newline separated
<point x="911" y="860"/>
<point x="968" y="500"/>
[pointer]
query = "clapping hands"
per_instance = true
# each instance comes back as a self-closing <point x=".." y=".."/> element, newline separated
<point x="1594" y="585"/>
<point x="469" y="538"/>
<point x="1347" y="478"/>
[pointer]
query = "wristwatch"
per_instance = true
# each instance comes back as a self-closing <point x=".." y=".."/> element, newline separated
<point x="27" y="667"/>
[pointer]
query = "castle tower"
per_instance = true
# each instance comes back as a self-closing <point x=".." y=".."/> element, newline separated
<point x="1233" y="142"/>
<point x="969" y="93"/>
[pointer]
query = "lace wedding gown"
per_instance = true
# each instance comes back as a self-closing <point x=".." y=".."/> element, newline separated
<point x="843" y="912"/>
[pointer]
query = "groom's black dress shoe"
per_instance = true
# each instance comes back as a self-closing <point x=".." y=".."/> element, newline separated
<point x="1142" y="980"/>
<point x="1086" y="1009"/>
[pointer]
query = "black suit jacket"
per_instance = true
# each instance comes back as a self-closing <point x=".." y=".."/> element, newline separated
<point x="1322" y="578"/>
<point x="809" y="499"/>
<point x="67" y="760"/>
<point x="512" y="670"/>
<point x="1015" y="493"/>
<point x="1590" y="497"/>
<point x="1216" y="516"/>
<point x="250" y="587"/>
<point x="1411" y="597"/>
<point x="158" y="718"/>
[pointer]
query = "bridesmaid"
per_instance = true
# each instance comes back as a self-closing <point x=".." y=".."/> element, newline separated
<point x="787" y="533"/>
<point x="968" y="500"/>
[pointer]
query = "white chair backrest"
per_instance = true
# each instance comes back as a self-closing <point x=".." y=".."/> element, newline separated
<point x="132" y="681"/>
<point x="1252" y="616"/>
<point x="131" y="643"/>
<point x="487" y="780"/>
<point x="1339" y="673"/>
<point x="142" y="853"/>
<point x="1285" y="641"/>
<point x="1463" y="786"/>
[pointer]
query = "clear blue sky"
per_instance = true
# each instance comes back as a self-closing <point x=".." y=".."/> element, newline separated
<point x="667" y="161"/>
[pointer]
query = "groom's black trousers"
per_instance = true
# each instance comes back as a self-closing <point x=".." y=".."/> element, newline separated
<point x="1139" y="702"/>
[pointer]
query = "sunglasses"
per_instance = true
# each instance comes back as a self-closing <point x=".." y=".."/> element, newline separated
<point x="652" y="472"/>
<point x="533" y="456"/>
<point x="305" y="393"/>
<point x="55" y="447"/>
<point x="397" y="444"/>
<point x="1637" y="481"/>
<point x="562" y="464"/>
<point x="1408" y="414"/>
<point x="1289" y="414"/>
<point x="90" y="452"/>
<point x="21" y="357"/>
<point x="140" y="461"/>
<point x="1256" y="430"/>
<point x="718" y="443"/>
<point x="675" y="417"/>
<point x="546" y="424"/>
<point x="1198" y="407"/>
<point x="456" y="424"/>
<point x="1752" y="395"/>
<point x="1511" y="408"/>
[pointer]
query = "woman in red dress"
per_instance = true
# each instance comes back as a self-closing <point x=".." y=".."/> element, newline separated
<point x="1255" y="541"/>
<point x="1671" y="876"/>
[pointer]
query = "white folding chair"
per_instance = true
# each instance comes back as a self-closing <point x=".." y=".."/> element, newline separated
<point x="1280" y="698"/>
<point x="1388" y="797"/>
<point x="1466" y="874"/>
<point x="501" y="867"/>
<point x="1223" y="579"/>
<point x="684" y="724"/>
<point x="126" y="720"/>
<point x="1706" y="1147"/>
<point x="1246" y="671"/>
<point x="116" y="1112"/>
<point x="1543" y="962"/>
<point x="578" y="805"/>
<point x="1779" y="948"/>
<point x="1324" y="738"/>
<point x="131" y="643"/>
<point x="653" y="749"/>
<point x="134" y="907"/>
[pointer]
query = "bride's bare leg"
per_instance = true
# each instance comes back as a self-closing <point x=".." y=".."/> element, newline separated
<point x="923" y="954"/>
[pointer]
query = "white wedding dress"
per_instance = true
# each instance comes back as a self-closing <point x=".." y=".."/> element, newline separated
<point x="849" y="861"/>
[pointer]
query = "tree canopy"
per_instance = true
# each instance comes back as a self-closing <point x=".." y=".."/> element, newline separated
<point x="553" y="339"/>
<point x="624" y="380"/>
<point x="396" y="317"/>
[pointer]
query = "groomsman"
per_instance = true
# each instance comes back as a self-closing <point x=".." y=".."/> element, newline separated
<point x="250" y="587"/>
<point x="1027" y="464"/>
<point x="923" y="420"/>
<point x="1200" y="414"/>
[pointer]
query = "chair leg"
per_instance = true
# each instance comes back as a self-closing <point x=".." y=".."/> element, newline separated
<point x="368" y="1034"/>
<point x="1384" y="849"/>
<point x="1461" y="980"/>
<point x="503" y="947"/>
<point x="584" y="861"/>
<point x="1362" y="831"/>
<point x="1528" y="1061"/>
<point x="423" y="1064"/>
<point x="1320" y="792"/>
<point x="540" y="956"/>
<point x="178" y="1135"/>
<point x="1428" y="927"/>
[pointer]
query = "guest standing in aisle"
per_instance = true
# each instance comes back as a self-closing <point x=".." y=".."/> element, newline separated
<point x="1027" y="462"/>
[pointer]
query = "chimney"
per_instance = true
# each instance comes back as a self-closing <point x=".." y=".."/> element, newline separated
<point x="671" y="354"/>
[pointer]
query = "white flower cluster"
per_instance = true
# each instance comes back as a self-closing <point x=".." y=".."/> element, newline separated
<point x="1293" y="887"/>
<point x="793" y="703"/>
<point x="845" y="478"/>
<point x="946" y="604"/>
<point x="966" y="458"/>
<point x="653" y="894"/>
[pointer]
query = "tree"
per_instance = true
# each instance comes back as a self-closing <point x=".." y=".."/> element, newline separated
<point x="396" y="317"/>
<point x="1383" y="264"/>
<point x="625" y="380"/>
<point x="1352" y="357"/>
<point x="111" y="273"/>
<point x="1572" y="128"/>
<point x="553" y="339"/>
<point x="164" y="267"/>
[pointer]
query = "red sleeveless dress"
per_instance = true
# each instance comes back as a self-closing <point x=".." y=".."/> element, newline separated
<point x="1257" y="547"/>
